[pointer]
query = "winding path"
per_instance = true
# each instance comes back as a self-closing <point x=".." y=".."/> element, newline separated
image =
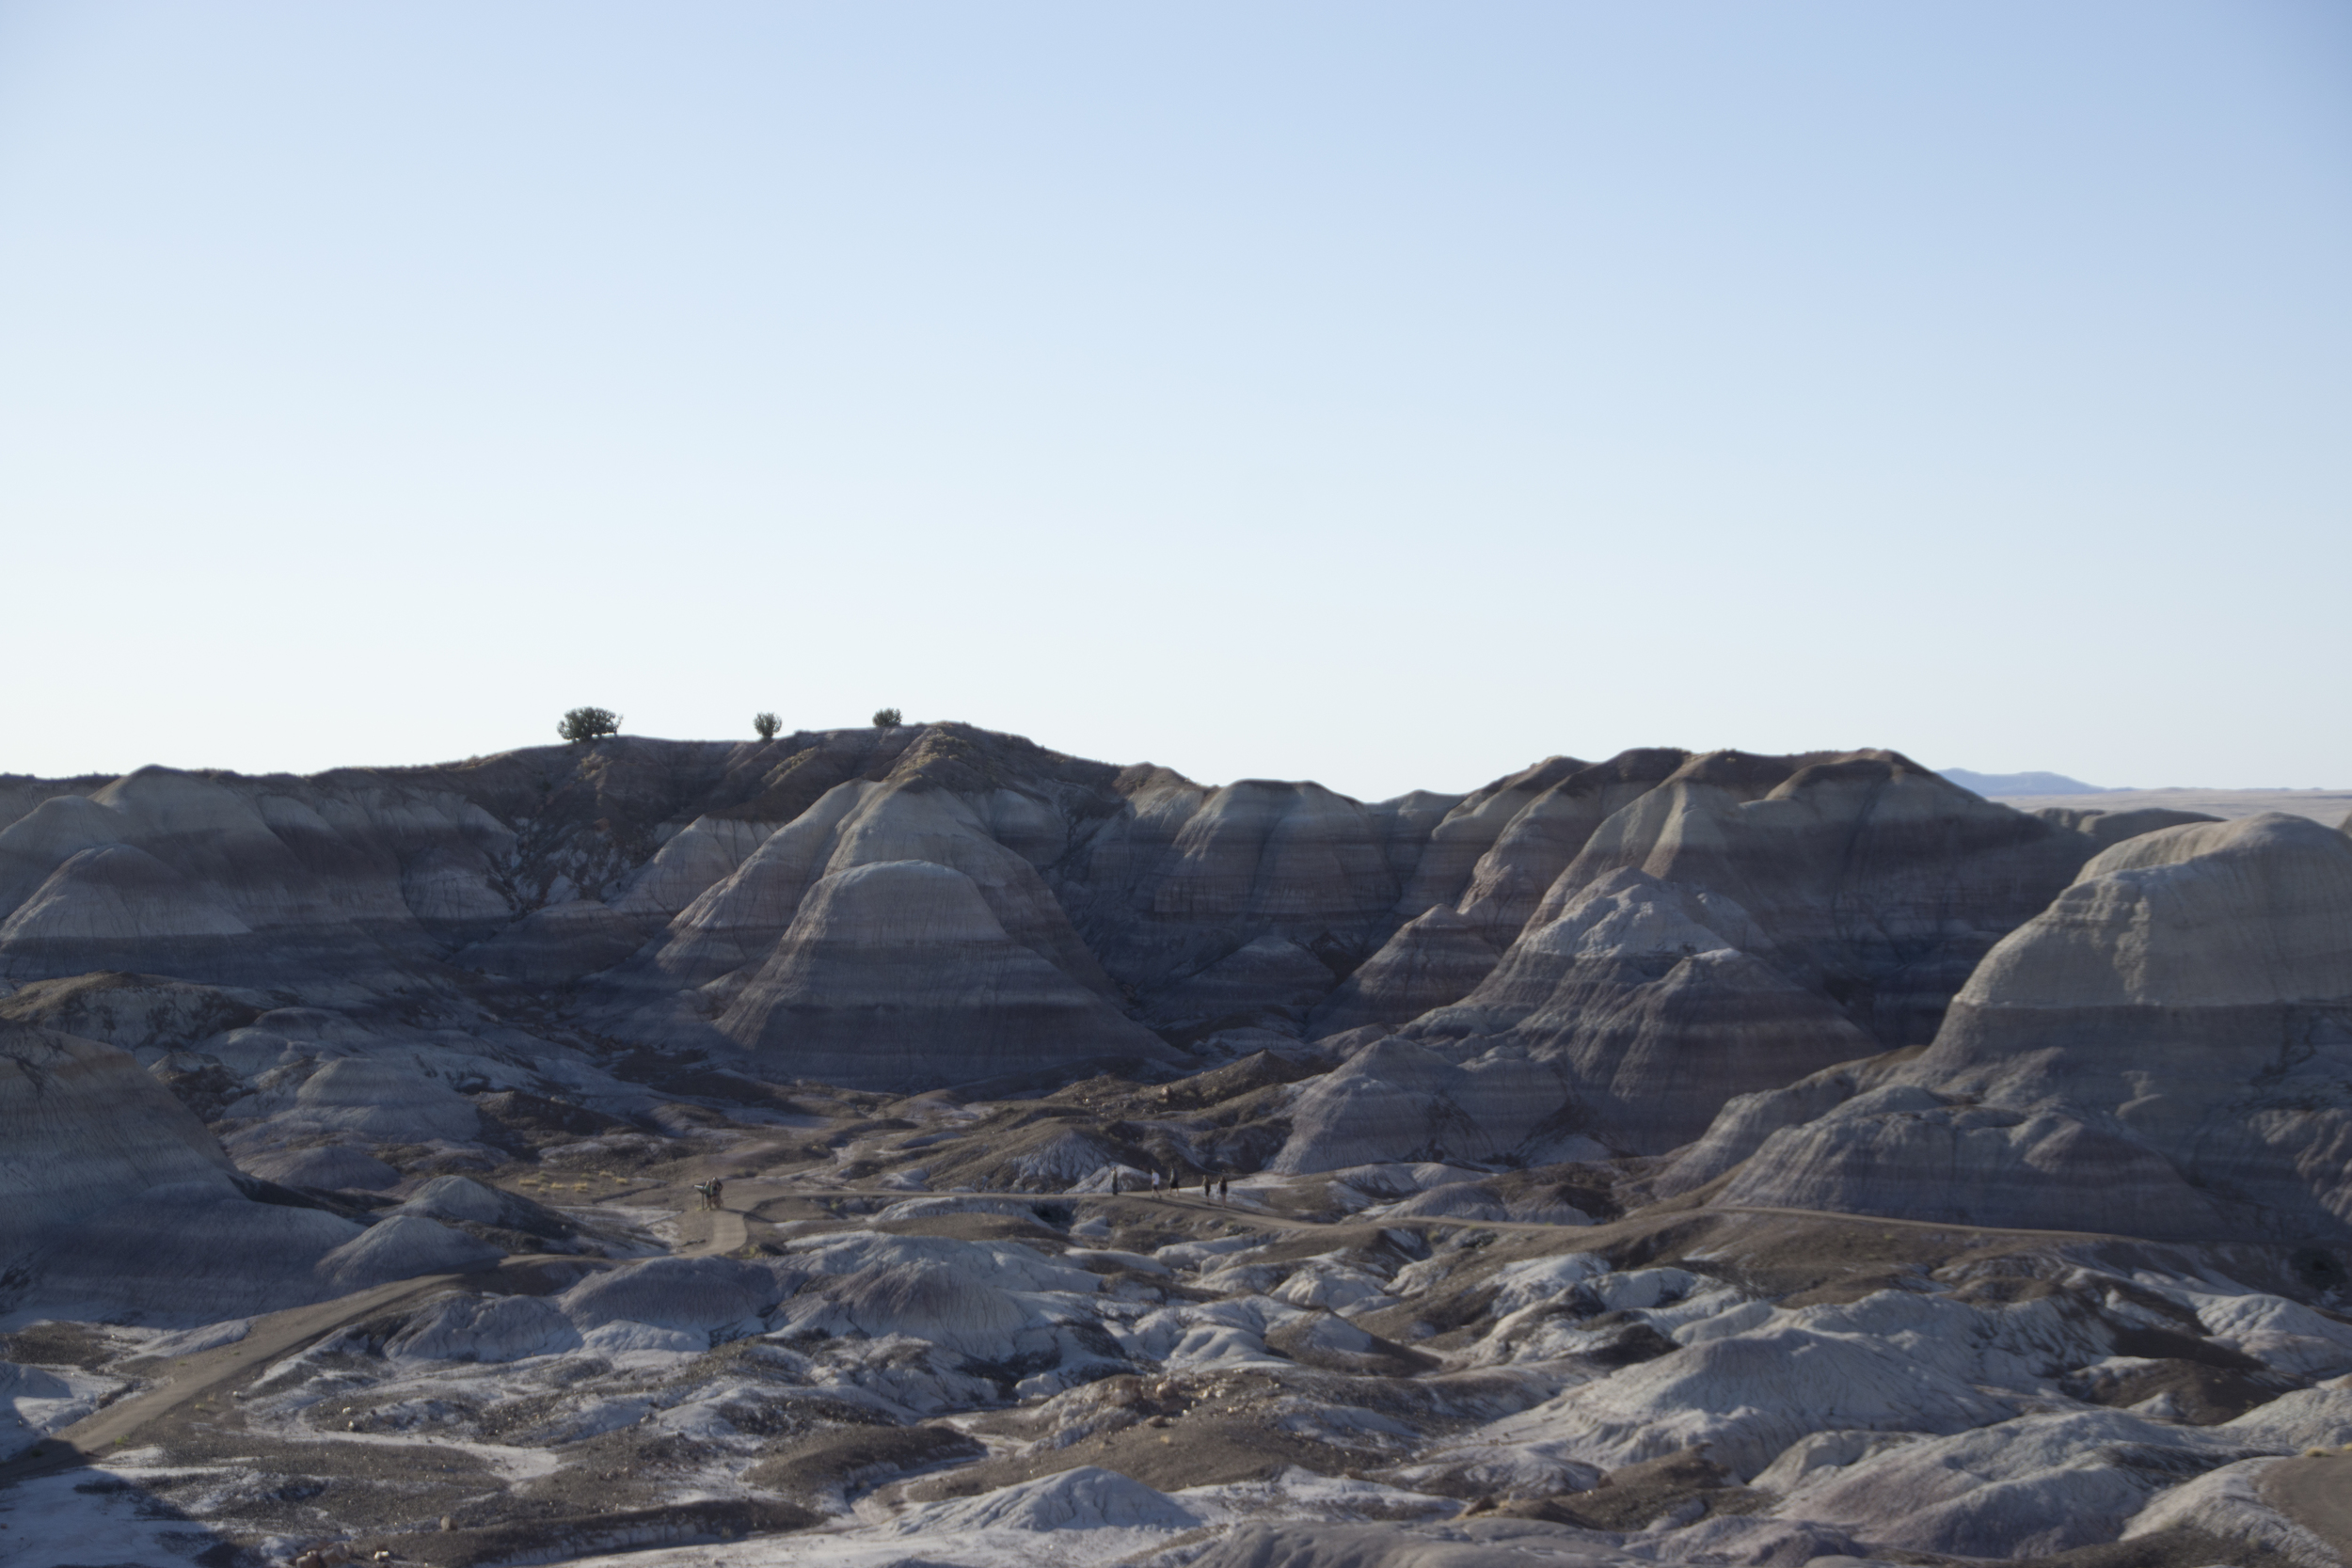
<point x="200" y="1376"/>
<point x="756" y="1192"/>
<point x="2316" y="1494"/>
<point x="730" y="1232"/>
<point x="191" y="1379"/>
<point x="206" y="1374"/>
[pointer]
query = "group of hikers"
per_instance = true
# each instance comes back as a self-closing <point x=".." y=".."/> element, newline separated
<point x="1213" y="1188"/>
<point x="712" y="1192"/>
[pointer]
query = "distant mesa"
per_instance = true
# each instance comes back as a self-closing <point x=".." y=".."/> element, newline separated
<point x="1990" y="784"/>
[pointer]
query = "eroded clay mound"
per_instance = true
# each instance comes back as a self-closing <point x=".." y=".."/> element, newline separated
<point x="115" y="1201"/>
<point x="897" y="975"/>
<point x="226" y="880"/>
<point x="2166" y="1051"/>
<point x="114" y="1197"/>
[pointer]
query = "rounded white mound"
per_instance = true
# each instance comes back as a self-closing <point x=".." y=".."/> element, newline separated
<point x="1088" y="1497"/>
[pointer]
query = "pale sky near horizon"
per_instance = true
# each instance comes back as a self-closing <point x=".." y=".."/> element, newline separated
<point x="1386" y="394"/>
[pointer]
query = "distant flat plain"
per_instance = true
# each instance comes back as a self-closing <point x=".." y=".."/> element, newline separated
<point x="2330" y="806"/>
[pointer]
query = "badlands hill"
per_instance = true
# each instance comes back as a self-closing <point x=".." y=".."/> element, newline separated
<point x="1578" y="960"/>
<point x="742" y="896"/>
<point x="1565" y="1118"/>
<point x="2165" y="1051"/>
<point x="1582" y="961"/>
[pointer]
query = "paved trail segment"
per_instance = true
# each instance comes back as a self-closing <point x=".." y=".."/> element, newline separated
<point x="206" y="1374"/>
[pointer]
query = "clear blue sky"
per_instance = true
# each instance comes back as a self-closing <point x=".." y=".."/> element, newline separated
<point x="1388" y="394"/>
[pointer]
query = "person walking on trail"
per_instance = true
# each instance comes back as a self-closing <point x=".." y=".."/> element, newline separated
<point x="1114" y="1183"/>
<point x="1224" y="1188"/>
<point x="1155" y="1181"/>
<point x="718" y="1194"/>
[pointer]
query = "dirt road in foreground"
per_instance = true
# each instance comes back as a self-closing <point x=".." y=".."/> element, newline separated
<point x="215" y="1372"/>
<point x="2316" y="1494"/>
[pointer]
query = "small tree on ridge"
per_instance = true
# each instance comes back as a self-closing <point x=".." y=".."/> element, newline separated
<point x="888" y="719"/>
<point x="766" y="725"/>
<point x="589" y="724"/>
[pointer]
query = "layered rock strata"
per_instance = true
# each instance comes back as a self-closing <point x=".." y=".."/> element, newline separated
<point x="1661" y="931"/>
<point x="117" y="1199"/>
<point x="886" y="961"/>
<point x="2166" y="1051"/>
<point x="1715" y="929"/>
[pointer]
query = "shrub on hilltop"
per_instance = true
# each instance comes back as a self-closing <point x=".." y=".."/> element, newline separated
<point x="589" y="724"/>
